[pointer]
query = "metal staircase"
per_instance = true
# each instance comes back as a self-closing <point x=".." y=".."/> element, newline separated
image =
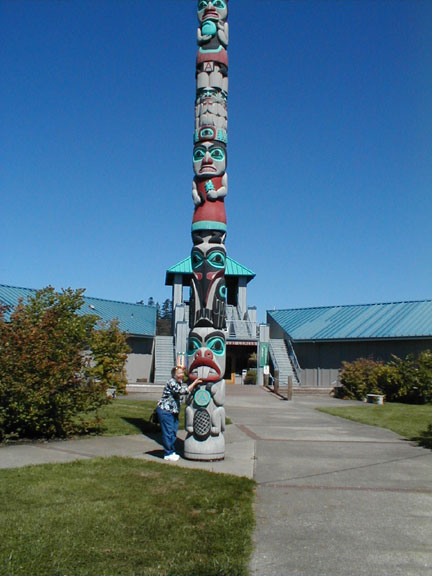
<point x="282" y="361"/>
<point x="164" y="358"/>
<point x="239" y="328"/>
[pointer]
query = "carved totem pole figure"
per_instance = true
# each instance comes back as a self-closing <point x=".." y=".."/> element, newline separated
<point x="205" y="414"/>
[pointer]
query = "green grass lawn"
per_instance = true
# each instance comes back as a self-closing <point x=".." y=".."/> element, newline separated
<point x="407" y="420"/>
<point x="121" y="516"/>
<point x="125" y="416"/>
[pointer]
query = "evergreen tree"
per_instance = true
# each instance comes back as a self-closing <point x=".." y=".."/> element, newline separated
<point x="164" y="318"/>
<point x="167" y="311"/>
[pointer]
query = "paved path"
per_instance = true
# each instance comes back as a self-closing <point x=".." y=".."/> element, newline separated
<point x="239" y="458"/>
<point x="334" y="498"/>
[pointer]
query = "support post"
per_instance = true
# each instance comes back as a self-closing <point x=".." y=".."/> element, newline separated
<point x="290" y="388"/>
<point x="276" y="381"/>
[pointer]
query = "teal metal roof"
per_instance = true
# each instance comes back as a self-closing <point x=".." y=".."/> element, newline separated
<point x="233" y="268"/>
<point x="135" y="319"/>
<point x="368" y="321"/>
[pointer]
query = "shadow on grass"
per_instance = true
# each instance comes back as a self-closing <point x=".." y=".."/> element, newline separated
<point x="144" y="426"/>
<point x="425" y="438"/>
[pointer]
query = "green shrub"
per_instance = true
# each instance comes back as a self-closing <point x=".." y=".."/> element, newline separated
<point x="388" y="382"/>
<point x="48" y="383"/>
<point x="251" y="376"/>
<point x="406" y="380"/>
<point x="359" y="378"/>
<point x="424" y="363"/>
<point x="414" y="378"/>
<point x="252" y="361"/>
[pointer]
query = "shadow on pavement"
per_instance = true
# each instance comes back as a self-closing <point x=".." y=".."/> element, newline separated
<point x="155" y="453"/>
<point x="425" y="438"/>
<point x="179" y="448"/>
<point x="153" y="432"/>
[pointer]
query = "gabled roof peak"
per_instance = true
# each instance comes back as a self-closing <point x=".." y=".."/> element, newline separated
<point x="184" y="268"/>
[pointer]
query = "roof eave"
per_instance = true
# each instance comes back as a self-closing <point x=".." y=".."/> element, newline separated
<point x="357" y="339"/>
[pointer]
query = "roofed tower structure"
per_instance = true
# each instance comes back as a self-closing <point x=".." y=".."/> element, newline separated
<point x="237" y="278"/>
<point x="241" y="329"/>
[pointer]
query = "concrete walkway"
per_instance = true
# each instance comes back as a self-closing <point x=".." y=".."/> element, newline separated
<point x="239" y="457"/>
<point x="334" y="498"/>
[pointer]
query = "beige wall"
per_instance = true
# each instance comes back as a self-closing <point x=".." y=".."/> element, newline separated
<point x="319" y="378"/>
<point x="140" y="360"/>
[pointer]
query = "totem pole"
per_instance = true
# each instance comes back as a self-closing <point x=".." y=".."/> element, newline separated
<point x="205" y="414"/>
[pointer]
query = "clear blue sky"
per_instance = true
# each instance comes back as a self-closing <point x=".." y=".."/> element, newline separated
<point x="330" y="147"/>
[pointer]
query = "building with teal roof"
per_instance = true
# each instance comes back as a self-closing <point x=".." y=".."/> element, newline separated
<point x="137" y="321"/>
<point x="318" y="340"/>
<point x="306" y="344"/>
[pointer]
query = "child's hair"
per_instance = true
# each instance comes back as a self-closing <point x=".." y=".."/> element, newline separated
<point x="174" y="370"/>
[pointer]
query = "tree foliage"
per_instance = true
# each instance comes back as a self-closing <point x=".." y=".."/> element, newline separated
<point x="49" y="385"/>
<point x="164" y="316"/>
<point x="109" y="353"/>
<point x="414" y="378"/>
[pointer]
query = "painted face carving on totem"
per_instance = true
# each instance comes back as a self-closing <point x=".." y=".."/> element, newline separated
<point x="207" y="306"/>
<point x="211" y="112"/>
<point x="214" y="312"/>
<point x="212" y="128"/>
<point x="206" y="354"/>
<point x="212" y="94"/>
<point x="212" y="35"/>
<point x="209" y="159"/>
<point x="212" y="10"/>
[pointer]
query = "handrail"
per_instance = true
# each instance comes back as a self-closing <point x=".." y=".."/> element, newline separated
<point x="291" y="356"/>
<point x="293" y="359"/>
<point x="237" y="328"/>
<point x="273" y="357"/>
<point x="241" y="330"/>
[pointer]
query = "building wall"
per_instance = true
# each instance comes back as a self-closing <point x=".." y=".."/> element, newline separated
<point x="332" y="354"/>
<point x="275" y="329"/>
<point x="319" y="377"/>
<point x="140" y="359"/>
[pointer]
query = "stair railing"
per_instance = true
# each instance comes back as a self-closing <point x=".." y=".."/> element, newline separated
<point x="273" y="357"/>
<point x="238" y="328"/>
<point x="293" y="359"/>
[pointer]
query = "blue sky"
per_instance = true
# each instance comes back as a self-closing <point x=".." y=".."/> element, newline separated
<point x="330" y="147"/>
